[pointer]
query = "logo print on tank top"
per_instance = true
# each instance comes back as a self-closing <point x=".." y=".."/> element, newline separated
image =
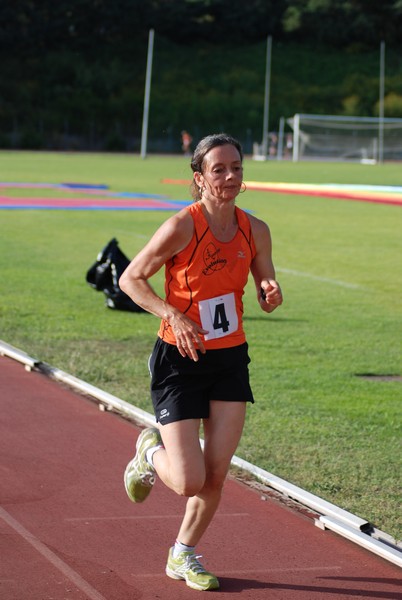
<point x="211" y="259"/>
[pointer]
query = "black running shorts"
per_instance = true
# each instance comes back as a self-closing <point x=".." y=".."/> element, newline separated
<point x="182" y="388"/>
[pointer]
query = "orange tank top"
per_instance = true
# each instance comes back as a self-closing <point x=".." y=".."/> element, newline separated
<point x="206" y="281"/>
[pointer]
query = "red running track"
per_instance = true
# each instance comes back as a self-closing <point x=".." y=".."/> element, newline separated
<point x="68" y="531"/>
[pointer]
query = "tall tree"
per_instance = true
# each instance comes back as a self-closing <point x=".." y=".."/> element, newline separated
<point x="218" y="21"/>
<point x="344" y="22"/>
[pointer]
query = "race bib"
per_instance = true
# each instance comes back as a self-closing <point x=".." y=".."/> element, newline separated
<point x="219" y="316"/>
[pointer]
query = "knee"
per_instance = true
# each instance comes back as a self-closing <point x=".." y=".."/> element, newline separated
<point x="210" y="484"/>
<point x="190" y="485"/>
<point x="214" y="483"/>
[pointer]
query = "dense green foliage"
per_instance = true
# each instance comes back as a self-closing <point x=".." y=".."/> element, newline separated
<point x="315" y="422"/>
<point x="72" y="74"/>
<point x="86" y="24"/>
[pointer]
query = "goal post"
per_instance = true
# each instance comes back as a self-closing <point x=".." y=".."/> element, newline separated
<point x="330" y="137"/>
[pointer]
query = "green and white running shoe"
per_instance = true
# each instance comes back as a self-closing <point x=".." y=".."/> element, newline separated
<point x="139" y="476"/>
<point x="187" y="566"/>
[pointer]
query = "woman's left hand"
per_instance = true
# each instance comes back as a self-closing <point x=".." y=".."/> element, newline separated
<point x="271" y="295"/>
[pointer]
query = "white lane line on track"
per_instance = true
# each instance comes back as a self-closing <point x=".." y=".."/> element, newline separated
<point x="148" y="517"/>
<point x="67" y="571"/>
<point x="256" y="571"/>
<point x="345" y="284"/>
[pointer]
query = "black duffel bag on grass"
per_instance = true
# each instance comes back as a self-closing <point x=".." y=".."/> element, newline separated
<point x="104" y="277"/>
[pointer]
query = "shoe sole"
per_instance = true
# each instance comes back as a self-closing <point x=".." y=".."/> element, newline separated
<point x="190" y="584"/>
<point x="137" y="500"/>
<point x="131" y="497"/>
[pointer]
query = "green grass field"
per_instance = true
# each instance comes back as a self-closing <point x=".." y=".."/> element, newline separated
<point x="315" y="421"/>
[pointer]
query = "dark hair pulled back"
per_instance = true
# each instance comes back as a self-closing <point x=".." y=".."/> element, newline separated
<point x="203" y="147"/>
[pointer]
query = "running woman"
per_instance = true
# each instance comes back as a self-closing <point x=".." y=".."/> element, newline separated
<point x="199" y="364"/>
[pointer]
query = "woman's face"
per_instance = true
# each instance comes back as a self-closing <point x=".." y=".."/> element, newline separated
<point x="222" y="174"/>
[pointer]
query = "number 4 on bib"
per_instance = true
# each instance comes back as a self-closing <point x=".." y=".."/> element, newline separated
<point x="220" y="320"/>
<point x="219" y="316"/>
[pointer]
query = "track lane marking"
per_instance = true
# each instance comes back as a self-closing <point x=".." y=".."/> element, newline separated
<point x="345" y="284"/>
<point x="50" y="556"/>
<point x="255" y="571"/>
<point x="148" y="517"/>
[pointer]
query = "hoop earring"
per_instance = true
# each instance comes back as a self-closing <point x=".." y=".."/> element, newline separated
<point x="243" y="188"/>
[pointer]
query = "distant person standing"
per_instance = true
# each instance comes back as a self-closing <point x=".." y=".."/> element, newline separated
<point x="186" y="140"/>
<point x="273" y="146"/>
<point x="289" y="145"/>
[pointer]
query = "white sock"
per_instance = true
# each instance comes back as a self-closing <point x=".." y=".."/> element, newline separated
<point x="179" y="547"/>
<point x="149" y="454"/>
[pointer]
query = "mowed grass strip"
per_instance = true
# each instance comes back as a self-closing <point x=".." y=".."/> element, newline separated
<point x="316" y="421"/>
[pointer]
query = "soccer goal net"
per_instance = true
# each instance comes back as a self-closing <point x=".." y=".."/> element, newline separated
<point x="367" y="139"/>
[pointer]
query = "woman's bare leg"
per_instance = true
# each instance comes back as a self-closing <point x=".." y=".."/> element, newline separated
<point x="180" y="465"/>
<point x="222" y="433"/>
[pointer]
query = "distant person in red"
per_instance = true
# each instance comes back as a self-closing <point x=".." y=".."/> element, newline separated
<point x="186" y="140"/>
<point x="199" y="364"/>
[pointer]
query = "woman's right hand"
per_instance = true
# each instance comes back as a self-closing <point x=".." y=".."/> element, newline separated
<point x="188" y="335"/>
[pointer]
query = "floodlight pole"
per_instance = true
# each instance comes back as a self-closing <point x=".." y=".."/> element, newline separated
<point x="279" y="154"/>
<point x="381" y="105"/>
<point x="296" y="137"/>
<point x="266" y="98"/>
<point x="144" y="137"/>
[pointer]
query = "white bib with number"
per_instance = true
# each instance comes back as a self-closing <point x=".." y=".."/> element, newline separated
<point x="219" y="316"/>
